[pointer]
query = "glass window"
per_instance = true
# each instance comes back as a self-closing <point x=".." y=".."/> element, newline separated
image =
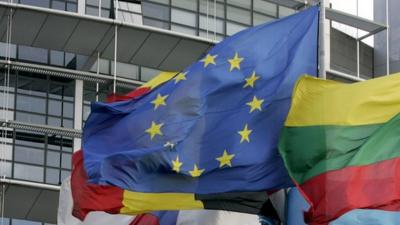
<point x="211" y="35"/>
<point x="3" y="50"/>
<point x="284" y="11"/>
<point x="183" y="17"/>
<point x="40" y="3"/>
<point x="220" y="9"/>
<point x="148" y="73"/>
<point x="32" y="54"/>
<point x="31" y="104"/>
<point x="72" y="7"/>
<point x="65" y="174"/>
<point x="241" y="3"/>
<point x="6" y="166"/>
<point x="211" y="24"/>
<point x="58" y="5"/>
<point x="265" y="7"/>
<point x="68" y="110"/>
<point x="239" y="15"/>
<point x="31" y="118"/>
<point x="160" y="1"/>
<point x="9" y="100"/>
<point x="182" y="29"/>
<point x="155" y="11"/>
<point x="66" y="161"/>
<point x="106" y="4"/>
<point x="68" y="123"/>
<point x="54" y="121"/>
<point x="56" y="58"/>
<point x="52" y="176"/>
<point x="53" y="159"/>
<point x="260" y="19"/>
<point x="232" y="28"/>
<point x="28" y="172"/>
<point x="126" y="70"/>
<point x="24" y="222"/>
<point x="92" y="2"/>
<point x="155" y="23"/>
<point x="55" y="107"/>
<point x="185" y="4"/>
<point x="28" y="155"/>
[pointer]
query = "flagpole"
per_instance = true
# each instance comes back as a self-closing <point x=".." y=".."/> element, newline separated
<point x="322" y="50"/>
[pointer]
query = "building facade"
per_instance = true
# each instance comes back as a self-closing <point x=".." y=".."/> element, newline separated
<point x="57" y="56"/>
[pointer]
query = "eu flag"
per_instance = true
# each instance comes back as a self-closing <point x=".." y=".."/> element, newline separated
<point x="214" y="127"/>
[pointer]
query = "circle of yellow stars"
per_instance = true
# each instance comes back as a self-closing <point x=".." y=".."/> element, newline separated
<point x="225" y="160"/>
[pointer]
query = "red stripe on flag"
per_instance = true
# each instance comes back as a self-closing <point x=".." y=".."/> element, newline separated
<point x="133" y="94"/>
<point x="145" y="219"/>
<point x="375" y="186"/>
<point x="90" y="197"/>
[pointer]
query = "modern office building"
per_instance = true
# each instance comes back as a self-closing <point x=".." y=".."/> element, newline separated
<point x="56" y="56"/>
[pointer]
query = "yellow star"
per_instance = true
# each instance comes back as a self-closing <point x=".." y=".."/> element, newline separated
<point x="255" y="104"/>
<point x="235" y="62"/>
<point x="160" y="100"/>
<point x="209" y="59"/>
<point x="179" y="77"/>
<point x="154" y="129"/>
<point x="225" y="159"/>
<point x="250" y="80"/>
<point x="245" y="133"/>
<point x="196" y="172"/>
<point x="176" y="165"/>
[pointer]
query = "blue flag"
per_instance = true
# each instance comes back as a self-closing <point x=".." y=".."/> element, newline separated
<point x="215" y="126"/>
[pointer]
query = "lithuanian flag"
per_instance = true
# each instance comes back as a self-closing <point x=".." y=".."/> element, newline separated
<point x="341" y="145"/>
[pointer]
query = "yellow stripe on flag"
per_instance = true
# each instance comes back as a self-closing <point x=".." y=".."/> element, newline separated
<point x="159" y="79"/>
<point x="324" y="102"/>
<point x="137" y="202"/>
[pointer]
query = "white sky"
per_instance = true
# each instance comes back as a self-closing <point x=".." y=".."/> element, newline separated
<point x="365" y="9"/>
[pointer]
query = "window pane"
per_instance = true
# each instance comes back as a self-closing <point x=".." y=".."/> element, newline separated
<point x="155" y="11"/>
<point x="52" y="176"/>
<point x="29" y="155"/>
<point x="232" y="28"/>
<point x="7" y="168"/>
<point x="211" y="24"/>
<point x="28" y="172"/>
<point x="32" y="54"/>
<point x="54" y="121"/>
<point x="239" y="15"/>
<point x="40" y="3"/>
<point x="220" y="9"/>
<point x="259" y="19"/>
<point x="66" y="161"/>
<point x="68" y="110"/>
<point x="72" y="7"/>
<point x="183" y="17"/>
<point x="265" y="7"/>
<point x="148" y="73"/>
<point x="31" y="118"/>
<point x="185" y="4"/>
<point x="53" y="159"/>
<point x="31" y="104"/>
<point x="284" y="11"/>
<point x="160" y="1"/>
<point x="56" y="58"/>
<point x="241" y="3"/>
<point x="182" y="29"/>
<point x="155" y="23"/>
<point x="58" y="5"/>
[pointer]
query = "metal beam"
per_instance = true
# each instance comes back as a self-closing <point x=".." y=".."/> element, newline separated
<point x="354" y="21"/>
<point x="30" y="184"/>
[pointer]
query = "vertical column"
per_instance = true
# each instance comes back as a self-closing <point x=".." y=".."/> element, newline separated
<point x="321" y="35"/>
<point x="387" y="39"/>
<point x="78" y="105"/>
<point x="81" y="7"/>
